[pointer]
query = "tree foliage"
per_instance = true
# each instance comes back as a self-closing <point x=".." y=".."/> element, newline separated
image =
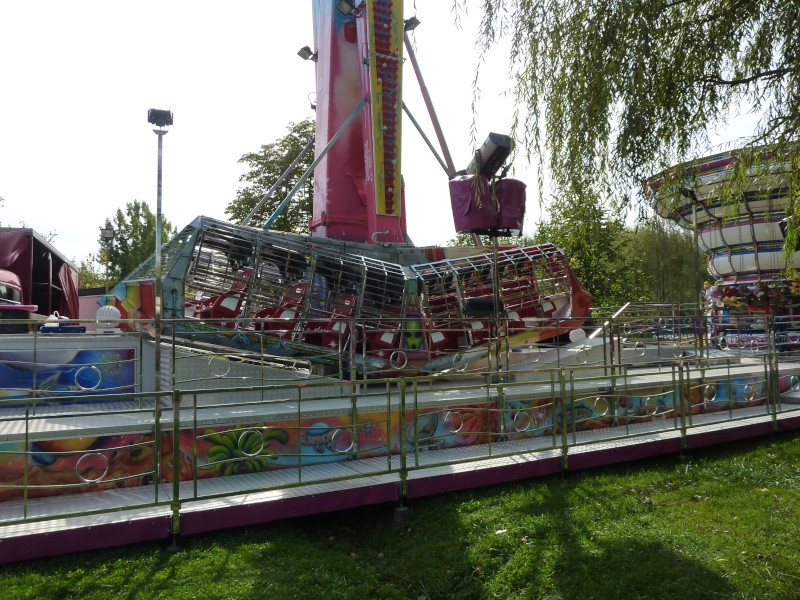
<point x="464" y="240"/>
<point x="134" y="238"/>
<point x="666" y="262"/>
<point x="653" y="262"/>
<point x="616" y="90"/>
<point x="595" y="244"/>
<point x="265" y="168"/>
<point x="91" y="272"/>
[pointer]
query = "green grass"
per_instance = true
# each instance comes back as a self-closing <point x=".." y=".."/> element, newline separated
<point x="722" y="523"/>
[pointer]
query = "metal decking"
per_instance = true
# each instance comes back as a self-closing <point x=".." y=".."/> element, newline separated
<point x="68" y="523"/>
<point x="763" y="396"/>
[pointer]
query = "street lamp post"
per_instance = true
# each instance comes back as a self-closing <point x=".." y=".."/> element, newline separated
<point x="107" y="235"/>
<point x="163" y="118"/>
<point x="159" y="118"/>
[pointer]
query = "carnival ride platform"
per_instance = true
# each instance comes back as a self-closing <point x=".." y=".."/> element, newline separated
<point x="62" y="524"/>
<point x="347" y="444"/>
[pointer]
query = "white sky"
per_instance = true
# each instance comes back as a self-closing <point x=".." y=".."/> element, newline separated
<point x="77" y="78"/>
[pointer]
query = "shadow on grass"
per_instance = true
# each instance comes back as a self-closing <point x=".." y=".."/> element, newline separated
<point x="547" y="540"/>
<point x="586" y="535"/>
<point x="635" y="569"/>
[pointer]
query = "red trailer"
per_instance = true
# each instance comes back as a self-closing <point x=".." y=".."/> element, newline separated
<point x="33" y="272"/>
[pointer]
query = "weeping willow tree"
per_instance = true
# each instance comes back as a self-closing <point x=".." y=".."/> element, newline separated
<point x="610" y="92"/>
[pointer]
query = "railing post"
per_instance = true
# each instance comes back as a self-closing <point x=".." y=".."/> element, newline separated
<point x="175" y="503"/>
<point x="611" y="342"/>
<point x="352" y="354"/>
<point x="683" y="402"/>
<point x="389" y="438"/>
<point x="341" y="348"/>
<point x="729" y="389"/>
<point x="298" y="446"/>
<point x="403" y="442"/>
<point x="27" y="457"/>
<point x="364" y="360"/>
<point x="615" y="420"/>
<point x="773" y="387"/>
<point x="194" y="444"/>
<point x="354" y="424"/>
<point x="157" y="433"/>
<point x="401" y="513"/>
<point x="553" y="420"/>
<point x="564" y="438"/>
<point x="572" y="407"/>
<point x="499" y="392"/>
<point x="501" y="412"/>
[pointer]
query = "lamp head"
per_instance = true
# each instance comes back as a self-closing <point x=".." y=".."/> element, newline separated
<point x="346" y="7"/>
<point x="306" y="54"/>
<point x="159" y="117"/>
<point x="411" y="23"/>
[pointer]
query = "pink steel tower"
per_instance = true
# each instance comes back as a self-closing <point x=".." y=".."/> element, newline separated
<point x="358" y="189"/>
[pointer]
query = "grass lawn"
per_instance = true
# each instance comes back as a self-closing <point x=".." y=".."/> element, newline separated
<point x="721" y="523"/>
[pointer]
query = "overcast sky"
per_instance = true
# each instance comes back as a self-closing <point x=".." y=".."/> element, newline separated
<point x="77" y="79"/>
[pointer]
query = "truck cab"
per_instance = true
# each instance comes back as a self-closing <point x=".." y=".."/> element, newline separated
<point x="10" y="288"/>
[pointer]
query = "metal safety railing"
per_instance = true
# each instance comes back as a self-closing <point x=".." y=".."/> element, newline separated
<point x="226" y="422"/>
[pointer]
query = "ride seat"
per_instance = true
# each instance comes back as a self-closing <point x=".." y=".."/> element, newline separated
<point x="336" y="330"/>
<point x="228" y="304"/>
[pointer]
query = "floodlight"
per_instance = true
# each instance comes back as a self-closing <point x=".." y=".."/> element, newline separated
<point x="491" y="155"/>
<point x="306" y="54"/>
<point x="346" y="7"/>
<point x="159" y="117"/>
<point x="411" y="23"/>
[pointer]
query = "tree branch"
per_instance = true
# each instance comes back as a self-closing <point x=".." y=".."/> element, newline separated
<point x="773" y="74"/>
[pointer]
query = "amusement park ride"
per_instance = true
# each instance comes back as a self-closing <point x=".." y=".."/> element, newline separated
<point x="356" y="287"/>
<point x="741" y="230"/>
<point x="244" y="375"/>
